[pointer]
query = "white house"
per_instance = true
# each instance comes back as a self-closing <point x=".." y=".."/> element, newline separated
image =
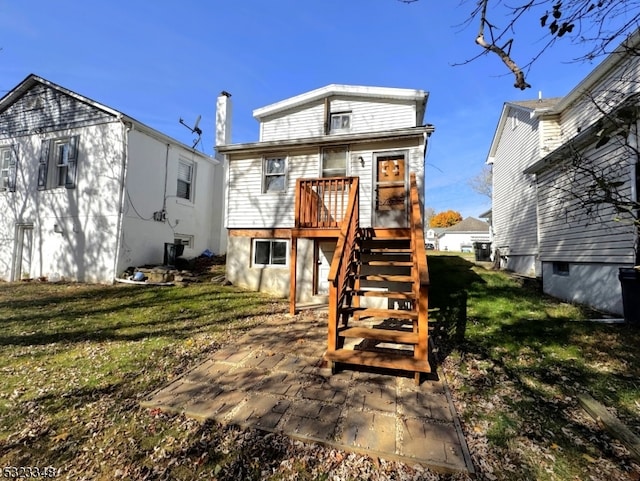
<point x="523" y="135"/>
<point x="581" y="154"/>
<point x="373" y="133"/>
<point x="87" y="191"/>
<point x="328" y="205"/>
<point x="462" y="236"/>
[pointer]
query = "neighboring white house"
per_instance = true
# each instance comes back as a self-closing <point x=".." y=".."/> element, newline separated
<point x="339" y="131"/>
<point x="87" y="191"/>
<point x="462" y="236"/>
<point x="580" y="136"/>
<point x="524" y="134"/>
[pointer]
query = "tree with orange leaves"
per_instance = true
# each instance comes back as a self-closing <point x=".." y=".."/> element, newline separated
<point x="445" y="219"/>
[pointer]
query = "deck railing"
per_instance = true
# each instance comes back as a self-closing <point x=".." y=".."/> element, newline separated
<point x="419" y="271"/>
<point x="322" y="203"/>
<point x="342" y="263"/>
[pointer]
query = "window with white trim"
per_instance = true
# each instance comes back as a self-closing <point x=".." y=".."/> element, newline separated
<point x="339" y="122"/>
<point x="270" y="252"/>
<point x="58" y="163"/>
<point x="8" y="169"/>
<point x="183" y="239"/>
<point x="274" y="174"/>
<point x="334" y="161"/>
<point x="186" y="174"/>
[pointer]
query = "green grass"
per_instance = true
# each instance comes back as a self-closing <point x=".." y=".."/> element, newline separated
<point x="518" y="359"/>
<point x="76" y="360"/>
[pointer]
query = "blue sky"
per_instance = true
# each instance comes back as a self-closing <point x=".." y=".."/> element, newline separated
<point x="164" y="60"/>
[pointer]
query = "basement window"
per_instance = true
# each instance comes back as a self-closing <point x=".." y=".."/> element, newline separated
<point x="269" y="252"/>
<point x="561" y="268"/>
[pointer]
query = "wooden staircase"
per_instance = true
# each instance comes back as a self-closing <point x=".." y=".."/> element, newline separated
<point x="378" y="297"/>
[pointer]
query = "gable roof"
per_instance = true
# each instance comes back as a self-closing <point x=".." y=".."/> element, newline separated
<point x="470" y="224"/>
<point x="418" y="96"/>
<point x="535" y="107"/>
<point x="32" y="80"/>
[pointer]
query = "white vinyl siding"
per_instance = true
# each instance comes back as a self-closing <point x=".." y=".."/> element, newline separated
<point x="567" y="233"/>
<point x="514" y="193"/>
<point x="365" y="116"/>
<point x="610" y="91"/>
<point x="248" y="207"/>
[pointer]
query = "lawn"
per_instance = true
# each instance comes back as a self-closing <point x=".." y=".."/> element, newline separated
<point x="516" y="367"/>
<point x="77" y="359"/>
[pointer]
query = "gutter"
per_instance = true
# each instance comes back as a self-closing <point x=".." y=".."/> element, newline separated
<point x="326" y="140"/>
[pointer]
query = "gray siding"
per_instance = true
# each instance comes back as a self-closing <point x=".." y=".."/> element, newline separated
<point x="567" y="231"/>
<point x="43" y="109"/>
<point x="514" y="193"/>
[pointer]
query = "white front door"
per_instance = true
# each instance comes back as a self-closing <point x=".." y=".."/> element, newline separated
<point x="324" y="257"/>
<point x="24" y="251"/>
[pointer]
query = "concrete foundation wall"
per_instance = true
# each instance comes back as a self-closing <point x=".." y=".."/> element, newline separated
<point x="594" y="285"/>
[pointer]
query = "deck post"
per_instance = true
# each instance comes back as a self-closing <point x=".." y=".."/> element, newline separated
<point x="292" y="275"/>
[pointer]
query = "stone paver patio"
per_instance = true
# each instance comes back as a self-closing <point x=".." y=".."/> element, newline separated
<point x="274" y="379"/>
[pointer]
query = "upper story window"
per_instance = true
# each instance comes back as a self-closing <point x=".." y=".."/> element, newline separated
<point x="58" y="163"/>
<point x="184" y="189"/>
<point x="8" y="169"/>
<point x="274" y="174"/>
<point x="339" y="122"/>
<point x="334" y="161"/>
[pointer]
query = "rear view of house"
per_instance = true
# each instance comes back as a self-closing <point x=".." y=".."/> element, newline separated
<point x="335" y="158"/>
<point x="87" y="191"/>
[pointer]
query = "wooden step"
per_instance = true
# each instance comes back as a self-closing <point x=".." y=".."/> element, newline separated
<point x="386" y="277"/>
<point x="387" y="294"/>
<point x="389" y="360"/>
<point x="384" y="335"/>
<point x="378" y="262"/>
<point x="383" y="313"/>
<point x="385" y="250"/>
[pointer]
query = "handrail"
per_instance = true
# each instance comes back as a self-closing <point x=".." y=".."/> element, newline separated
<point x="419" y="270"/>
<point x="341" y="262"/>
<point x="322" y="202"/>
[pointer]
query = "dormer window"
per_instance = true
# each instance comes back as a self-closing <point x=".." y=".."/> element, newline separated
<point x="340" y="122"/>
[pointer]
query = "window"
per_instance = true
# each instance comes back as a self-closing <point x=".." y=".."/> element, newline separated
<point x="269" y="252"/>
<point x="334" y="162"/>
<point x="339" y="122"/>
<point x="561" y="268"/>
<point x="274" y="174"/>
<point x="185" y="180"/>
<point x="183" y="239"/>
<point x="8" y="169"/>
<point x="58" y="163"/>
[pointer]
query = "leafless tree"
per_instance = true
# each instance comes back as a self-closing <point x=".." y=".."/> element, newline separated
<point x="599" y="25"/>
<point x="482" y="183"/>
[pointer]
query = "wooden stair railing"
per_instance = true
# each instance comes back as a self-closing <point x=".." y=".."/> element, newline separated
<point x="342" y="263"/>
<point x="394" y="337"/>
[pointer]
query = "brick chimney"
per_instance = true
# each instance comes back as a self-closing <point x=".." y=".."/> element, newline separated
<point x="223" y="119"/>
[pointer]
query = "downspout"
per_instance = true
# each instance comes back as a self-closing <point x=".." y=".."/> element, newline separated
<point x="123" y="179"/>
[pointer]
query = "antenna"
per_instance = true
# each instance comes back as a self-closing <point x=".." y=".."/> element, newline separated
<point x="194" y="130"/>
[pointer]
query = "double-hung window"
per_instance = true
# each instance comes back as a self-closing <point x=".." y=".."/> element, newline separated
<point x="185" y="180"/>
<point x="334" y="162"/>
<point x="8" y="169"/>
<point x="58" y="163"/>
<point x="269" y="252"/>
<point x="274" y="174"/>
<point x="339" y="122"/>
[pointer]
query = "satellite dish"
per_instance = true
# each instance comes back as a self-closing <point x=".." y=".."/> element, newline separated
<point x="194" y="130"/>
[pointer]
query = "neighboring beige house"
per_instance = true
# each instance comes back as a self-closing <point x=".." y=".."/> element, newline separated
<point x="87" y="191"/>
<point x="375" y="134"/>
<point x="541" y="226"/>
<point x="462" y="236"/>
